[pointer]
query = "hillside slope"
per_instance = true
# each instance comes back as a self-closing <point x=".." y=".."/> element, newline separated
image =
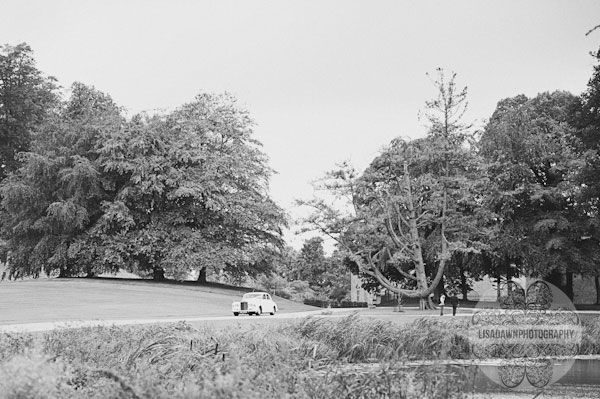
<point x="47" y="300"/>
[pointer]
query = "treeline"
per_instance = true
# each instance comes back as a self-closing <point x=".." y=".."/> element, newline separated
<point x="85" y="190"/>
<point x="518" y="197"/>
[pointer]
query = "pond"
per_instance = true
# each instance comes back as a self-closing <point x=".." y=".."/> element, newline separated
<point x="497" y="377"/>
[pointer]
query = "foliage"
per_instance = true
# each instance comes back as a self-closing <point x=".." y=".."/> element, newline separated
<point x="416" y="205"/>
<point x="178" y="361"/>
<point x="380" y="340"/>
<point x="167" y="194"/>
<point x="56" y="194"/>
<point x="590" y="343"/>
<point x="535" y="162"/>
<point x="312" y="261"/>
<point x="585" y="117"/>
<point x="313" y="358"/>
<point x="311" y="274"/>
<point x="194" y="188"/>
<point x="34" y="377"/>
<point x="26" y="99"/>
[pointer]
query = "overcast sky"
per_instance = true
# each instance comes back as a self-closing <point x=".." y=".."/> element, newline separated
<point x="325" y="81"/>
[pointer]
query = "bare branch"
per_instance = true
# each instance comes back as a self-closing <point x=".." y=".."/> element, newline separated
<point x="404" y="274"/>
<point x="593" y="29"/>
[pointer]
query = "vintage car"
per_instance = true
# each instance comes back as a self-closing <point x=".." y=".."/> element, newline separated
<point x="254" y="303"/>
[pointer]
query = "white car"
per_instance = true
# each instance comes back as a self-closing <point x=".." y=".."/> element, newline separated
<point x="254" y="303"/>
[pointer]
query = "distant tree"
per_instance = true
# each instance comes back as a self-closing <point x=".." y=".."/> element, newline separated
<point x="312" y="262"/>
<point x="26" y="98"/>
<point x="336" y="278"/>
<point x="286" y="264"/>
<point x="326" y="275"/>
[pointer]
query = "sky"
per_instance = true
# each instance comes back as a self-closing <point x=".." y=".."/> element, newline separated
<point x="325" y="81"/>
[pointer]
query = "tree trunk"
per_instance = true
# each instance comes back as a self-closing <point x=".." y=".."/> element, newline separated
<point x="597" y="283"/>
<point x="417" y="254"/>
<point x="569" y="287"/>
<point x="498" y="289"/>
<point x="158" y="273"/>
<point x="463" y="284"/>
<point x="562" y="279"/>
<point x="63" y="273"/>
<point x="202" y="275"/>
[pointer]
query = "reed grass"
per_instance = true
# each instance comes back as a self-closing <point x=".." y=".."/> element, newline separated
<point x="316" y="357"/>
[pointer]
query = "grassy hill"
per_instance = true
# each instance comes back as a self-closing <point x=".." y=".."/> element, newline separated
<point x="47" y="300"/>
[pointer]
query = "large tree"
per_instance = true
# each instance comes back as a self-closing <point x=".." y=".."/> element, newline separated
<point x="26" y="98"/>
<point x="165" y="195"/>
<point x="417" y="201"/>
<point x="55" y="195"/>
<point x="585" y="117"/>
<point x="194" y="184"/>
<point x="535" y="163"/>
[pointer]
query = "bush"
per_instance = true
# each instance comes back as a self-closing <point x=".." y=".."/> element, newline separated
<point x="352" y="304"/>
<point x="590" y="343"/>
<point x="14" y="344"/>
<point x="323" y="303"/>
<point x="33" y="376"/>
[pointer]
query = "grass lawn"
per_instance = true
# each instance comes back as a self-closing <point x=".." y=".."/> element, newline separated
<point x="49" y="300"/>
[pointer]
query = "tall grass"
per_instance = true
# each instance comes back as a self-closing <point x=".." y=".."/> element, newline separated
<point x="313" y="358"/>
<point x="590" y="344"/>
<point x="356" y="340"/>
<point x="179" y="361"/>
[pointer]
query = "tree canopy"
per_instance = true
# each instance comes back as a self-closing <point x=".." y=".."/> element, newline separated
<point x="415" y="205"/>
<point x="535" y="161"/>
<point x="26" y="98"/>
<point x="166" y="194"/>
<point x="86" y="190"/>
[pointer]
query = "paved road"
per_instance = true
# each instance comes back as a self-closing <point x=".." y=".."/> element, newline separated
<point x="385" y="313"/>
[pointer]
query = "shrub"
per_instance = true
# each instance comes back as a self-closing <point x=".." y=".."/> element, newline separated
<point x="14" y="344"/>
<point x="590" y="343"/>
<point x="33" y="376"/>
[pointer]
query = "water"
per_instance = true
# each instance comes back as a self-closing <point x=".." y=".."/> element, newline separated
<point x="573" y="373"/>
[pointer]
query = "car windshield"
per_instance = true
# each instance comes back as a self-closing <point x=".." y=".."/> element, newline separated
<point x="252" y="295"/>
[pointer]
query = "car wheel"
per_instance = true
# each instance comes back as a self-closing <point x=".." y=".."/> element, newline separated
<point x="236" y="313"/>
<point x="273" y="312"/>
